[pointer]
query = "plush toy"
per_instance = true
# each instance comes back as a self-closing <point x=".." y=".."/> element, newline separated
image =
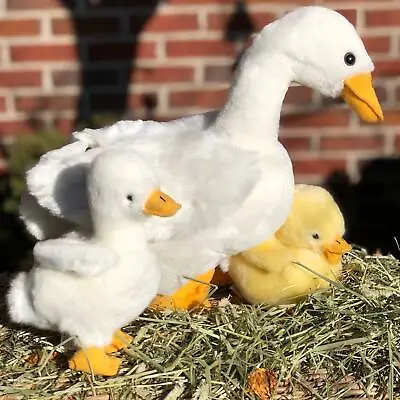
<point x="233" y="176"/>
<point x="90" y="287"/>
<point x="271" y="273"/>
<point x="190" y="296"/>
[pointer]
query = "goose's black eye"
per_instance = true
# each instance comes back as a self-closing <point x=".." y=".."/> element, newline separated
<point x="315" y="236"/>
<point x="88" y="148"/>
<point x="129" y="197"/>
<point x="349" y="58"/>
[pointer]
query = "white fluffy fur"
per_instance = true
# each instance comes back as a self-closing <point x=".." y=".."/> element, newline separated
<point x="233" y="177"/>
<point x="90" y="287"/>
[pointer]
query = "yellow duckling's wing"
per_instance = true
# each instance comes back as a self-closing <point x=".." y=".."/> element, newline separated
<point x="270" y="255"/>
<point x="298" y="282"/>
<point x="289" y="285"/>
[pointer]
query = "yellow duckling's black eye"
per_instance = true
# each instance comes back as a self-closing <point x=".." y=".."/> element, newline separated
<point x="350" y="58"/>
<point x="315" y="236"/>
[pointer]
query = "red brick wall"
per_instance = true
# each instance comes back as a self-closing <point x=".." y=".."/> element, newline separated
<point x="182" y="65"/>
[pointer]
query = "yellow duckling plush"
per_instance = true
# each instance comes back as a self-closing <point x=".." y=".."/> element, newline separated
<point x="312" y="236"/>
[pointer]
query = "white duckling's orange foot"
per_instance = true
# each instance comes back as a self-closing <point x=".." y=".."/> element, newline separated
<point x="120" y="340"/>
<point x="94" y="360"/>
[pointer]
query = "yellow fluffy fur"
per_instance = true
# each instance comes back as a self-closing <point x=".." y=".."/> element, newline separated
<point x="311" y="235"/>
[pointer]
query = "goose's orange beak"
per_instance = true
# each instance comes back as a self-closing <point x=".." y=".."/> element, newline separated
<point x="334" y="251"/>
<point x="359" y="93"/>
<point x="160" y="205"/>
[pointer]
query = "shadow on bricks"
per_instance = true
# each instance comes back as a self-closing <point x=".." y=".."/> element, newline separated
<point x="107" y="37"/>
<point x="371" y="206"/>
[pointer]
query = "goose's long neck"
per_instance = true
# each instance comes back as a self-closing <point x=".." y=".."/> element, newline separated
<point x="251" y="115"/>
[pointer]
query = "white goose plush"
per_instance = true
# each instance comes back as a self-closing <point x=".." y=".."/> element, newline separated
<point x="90" y="287"/>
<point x="233" y="176"/>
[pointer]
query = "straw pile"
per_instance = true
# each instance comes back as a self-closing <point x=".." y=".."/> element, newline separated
<point x="339" y="344"/>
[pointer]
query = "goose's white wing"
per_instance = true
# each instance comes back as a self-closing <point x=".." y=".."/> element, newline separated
<point x="210" y="177"/>
<point x="207" y="175"/>
<point x="74" y="255"/>
<point x="57" y="182"/>
<point x="241" y="229"/>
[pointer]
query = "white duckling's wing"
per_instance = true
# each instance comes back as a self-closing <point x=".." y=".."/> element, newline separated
<point x="39" y="222"/>
<point x="71" y="254"/>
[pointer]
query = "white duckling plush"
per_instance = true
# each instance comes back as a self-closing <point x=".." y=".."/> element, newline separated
<point x="90" y="287"/>
<point x="233" y="176"/>
<point x="312" y="235"/>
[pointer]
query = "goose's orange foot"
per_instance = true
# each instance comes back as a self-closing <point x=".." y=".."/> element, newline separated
<point x="94" y="360"/>
<point x="120" y="340"/>
<point x="189" y="296"/>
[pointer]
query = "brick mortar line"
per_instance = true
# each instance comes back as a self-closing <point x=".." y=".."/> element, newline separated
<point x="35" y="65"/>
<point x="324" y="130"/>
<point x="134" y="88"/>
<point x="10" y="103"/>
<point x="184" y="111"/>
<point x="364" y="6"/>
<point x="310" y="179"/>
<point x="389" y="142"/>
<point x="199" y="75"/>
<point x="38" y="40"/>
<point x="382" y="56"/>
<point x="33" y="14"/>
<point x="143" y="63"/>
<point x="40" y="91"/>
<point x="380" y="31"/>
<point x="45" y="27"/>
<point x="74" y="66"/>
<point x="315" y="142"/>
<point x="184" y="35"/>
<point x="20" y="116"/>
<point x="47" y="80"/>
<point x="202" y="19"/>
<point x="163" y="105"/>
<point x="358" y="134"/>
<point x="5" y="53"/>
<point x="327" y="155"/>
<point x="181" y="36"/>
<point x="395" y="45"/>
<point x="353" y="168"/>
<point x="161" y="50"/>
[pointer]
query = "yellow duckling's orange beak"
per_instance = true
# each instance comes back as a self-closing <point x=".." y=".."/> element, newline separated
<point x="160" y="205"/>
<point x="334" y="251"/>
<point x="358" y="92"/>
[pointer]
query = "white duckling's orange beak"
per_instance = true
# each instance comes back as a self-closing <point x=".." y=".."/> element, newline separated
<point x="358" y="92"/>
<point x="160" y="205"/>
<point x="334" y="251"/>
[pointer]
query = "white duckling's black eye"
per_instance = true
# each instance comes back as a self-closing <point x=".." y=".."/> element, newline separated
<point x="315" y="236"/>
<point x="88" y="148"/>
<point x="350" y="58"/>
<point x="129" y="197"/>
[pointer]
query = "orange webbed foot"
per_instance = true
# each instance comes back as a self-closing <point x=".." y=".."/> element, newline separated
<point x="120" y="340"/>
<point x="94" y="360"/>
